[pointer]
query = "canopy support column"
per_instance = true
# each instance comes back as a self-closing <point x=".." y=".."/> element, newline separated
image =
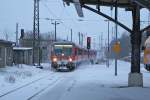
<point x="135" y="77"/>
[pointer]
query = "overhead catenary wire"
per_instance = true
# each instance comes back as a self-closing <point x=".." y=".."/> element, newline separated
<point x="62" y="12"/>
<point x="78" y="28"/>
<point x="51" y="13"/>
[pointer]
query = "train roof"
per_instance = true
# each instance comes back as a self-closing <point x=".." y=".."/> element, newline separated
<point x="63" y="42"/>
<point x="70" y="43"/>
<point x="67" y="43"/>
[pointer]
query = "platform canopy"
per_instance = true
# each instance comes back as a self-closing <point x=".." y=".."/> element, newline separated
<point x="143" y="3"/>
<point x="127" y="4"/>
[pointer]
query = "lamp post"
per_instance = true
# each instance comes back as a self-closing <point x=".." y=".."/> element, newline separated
<point x="116" y="28"/>
<point x="56" y="23"/>
<point x="108" y="43"/>
<point x="71" y="36"/>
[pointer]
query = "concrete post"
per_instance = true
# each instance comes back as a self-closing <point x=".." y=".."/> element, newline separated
<point x="135" y="77"/>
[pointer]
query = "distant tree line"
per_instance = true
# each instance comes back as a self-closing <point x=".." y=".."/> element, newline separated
<point x="125" y="44"/>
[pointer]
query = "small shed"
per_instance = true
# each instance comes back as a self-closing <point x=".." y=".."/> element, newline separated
<point x="23" y="55"/>
<point x="6" y="53"/>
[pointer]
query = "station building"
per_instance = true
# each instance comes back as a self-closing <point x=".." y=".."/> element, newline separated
<point x="22" y="55"/>
<point x="6" y="53"/>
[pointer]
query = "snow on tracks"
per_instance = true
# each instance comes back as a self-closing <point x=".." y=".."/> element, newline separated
<point x="31" y="89"/>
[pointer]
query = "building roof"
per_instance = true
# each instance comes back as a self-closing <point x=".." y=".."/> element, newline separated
<point x="6" y="42"/>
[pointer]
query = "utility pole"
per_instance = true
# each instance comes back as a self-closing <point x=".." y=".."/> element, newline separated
<point x="99" y="47"/>
<point x="36" y="31"/>
<point x="112" y="37"/>
<point x="108" y="44"/>
<point x="55" y="32"/>
<point x="149" y="18"/>
<point x="17" y="42"/>
<point x="94" y="44"/>
<point x="71" y="35"/>
<point x="102" y="45"/>
<point x="99" y="43"/>
<point x="6" y="36"/>
<point x="102" y="41"/>
<point x="67" y="38"/>
<point x="82" y="39"/>
<point x="116" y="28"/>
<point x="79" y="38"/>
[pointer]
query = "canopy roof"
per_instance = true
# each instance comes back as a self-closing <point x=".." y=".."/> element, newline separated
<point x="121" y="3"/>
<point x="127" y="4"/>
<point x="143" y="3"/>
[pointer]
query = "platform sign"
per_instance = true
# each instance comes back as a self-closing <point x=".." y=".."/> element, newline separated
<point x="117" y="47"/>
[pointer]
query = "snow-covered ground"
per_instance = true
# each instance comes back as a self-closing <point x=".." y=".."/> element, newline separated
<point x="12" y="78"/>
<point x="87" y="82"/>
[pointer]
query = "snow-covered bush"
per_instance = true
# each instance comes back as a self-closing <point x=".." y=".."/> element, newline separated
<point x="10" y="79"/>
<point x="17" y="73"/>
<point x="28" y="73"/>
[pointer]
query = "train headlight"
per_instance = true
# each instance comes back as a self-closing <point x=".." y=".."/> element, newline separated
<point x="54" y="59"/>
<point x="62" y="54"/>
<point x="70" y="59"/>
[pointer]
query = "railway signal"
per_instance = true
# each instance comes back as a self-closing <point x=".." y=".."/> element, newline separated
<point x="22" y="33"/>
<point x="88" y="42"/>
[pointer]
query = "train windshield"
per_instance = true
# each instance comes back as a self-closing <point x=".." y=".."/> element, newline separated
<point x="63" y="49"/>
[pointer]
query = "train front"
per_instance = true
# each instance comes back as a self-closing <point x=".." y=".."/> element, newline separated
<point x="62" y="56"/>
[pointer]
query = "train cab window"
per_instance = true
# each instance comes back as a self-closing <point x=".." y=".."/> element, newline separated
<point x="63" y="49"/>
<point x="58" y="51"/>
<point x="67" y="51"/>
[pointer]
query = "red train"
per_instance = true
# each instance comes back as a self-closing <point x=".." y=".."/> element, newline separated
<point x="68" y="55"/>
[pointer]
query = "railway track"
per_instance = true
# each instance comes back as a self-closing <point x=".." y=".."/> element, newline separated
<point x="36" y="94"/>
<point x="52" y="80"/>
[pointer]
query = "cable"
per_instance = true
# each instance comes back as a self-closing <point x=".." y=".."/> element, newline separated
<point x="78" y="28"/>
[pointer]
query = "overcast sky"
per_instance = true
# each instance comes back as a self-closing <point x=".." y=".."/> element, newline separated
<point x="21" y="11"/>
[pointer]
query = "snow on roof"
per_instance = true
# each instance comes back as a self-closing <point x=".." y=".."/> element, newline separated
<point x="22" y="48"/>
<point x="4" y="41"/>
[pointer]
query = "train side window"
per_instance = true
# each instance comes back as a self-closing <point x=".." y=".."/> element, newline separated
<point x="80" y="52"/>
<point x="75" y="51"/>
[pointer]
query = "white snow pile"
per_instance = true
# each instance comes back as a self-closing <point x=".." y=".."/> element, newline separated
<point x="10" y="79"/>
<point x="17" y="73"/>
<point x="11" y="74"/>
